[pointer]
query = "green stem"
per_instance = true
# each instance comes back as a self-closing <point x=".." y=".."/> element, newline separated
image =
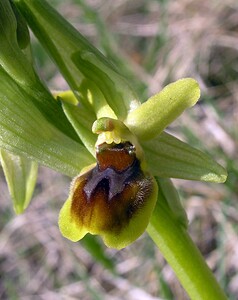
<point x="183" y="256"/>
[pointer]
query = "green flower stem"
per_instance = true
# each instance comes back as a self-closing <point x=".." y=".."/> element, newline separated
<point x="183" y="256"/>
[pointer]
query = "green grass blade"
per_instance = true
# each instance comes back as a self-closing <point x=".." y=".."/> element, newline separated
<point x="92" y="244"/>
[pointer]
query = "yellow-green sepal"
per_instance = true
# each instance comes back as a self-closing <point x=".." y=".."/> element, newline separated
<point x="169" y="157"/>
<point x="154" y="115"/>
<point x="21" y="174"/>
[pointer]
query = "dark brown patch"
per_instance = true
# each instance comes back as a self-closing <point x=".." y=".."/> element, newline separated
<point x="106" y="198"/>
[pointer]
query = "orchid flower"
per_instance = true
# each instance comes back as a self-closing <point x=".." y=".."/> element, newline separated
<point x="98" y="132"/>
<point x="103" y="123"/>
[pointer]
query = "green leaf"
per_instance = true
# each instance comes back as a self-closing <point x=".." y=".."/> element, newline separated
<point x="12" y="59"/>
<point x="111" y="84"/>
<point x="24" y="131"/>
<point x="22" y="32"/>
<point x="21" y="175"/>
<point x="154" y="115"/>
<point x="19" y="67"/>
<point x="76" y="57"/>
<point x="169" y="157"/>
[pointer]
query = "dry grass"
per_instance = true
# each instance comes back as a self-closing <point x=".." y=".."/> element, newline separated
<point x="158" y="41"/>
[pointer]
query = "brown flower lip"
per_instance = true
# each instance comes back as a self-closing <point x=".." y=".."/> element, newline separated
<point x="114" y="189"/>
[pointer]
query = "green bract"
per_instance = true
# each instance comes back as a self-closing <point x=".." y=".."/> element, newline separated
<point x="21" y="175"/>
<point x="116" y="196"/>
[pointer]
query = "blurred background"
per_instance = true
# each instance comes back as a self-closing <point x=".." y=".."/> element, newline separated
<point x="152" y="43"/>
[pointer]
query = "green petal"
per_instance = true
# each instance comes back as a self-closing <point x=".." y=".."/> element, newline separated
<point x="95" y="98"/>
<point x="25" y="132"/>
<point x="82" y="121"/>
<point x="169" y="157"/>
<point x="21" y="175"/>
<point x="75" y="56"/>
<point x="66" y="96"/>
<point x="154" y="115"/>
